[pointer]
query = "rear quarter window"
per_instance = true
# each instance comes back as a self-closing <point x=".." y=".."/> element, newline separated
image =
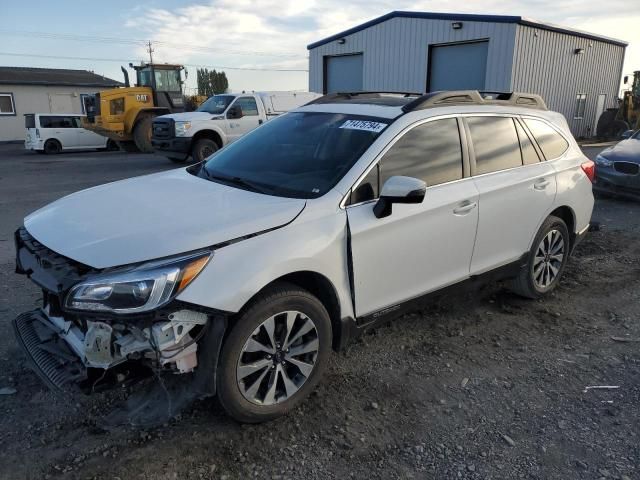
<point x="551" y="142"/>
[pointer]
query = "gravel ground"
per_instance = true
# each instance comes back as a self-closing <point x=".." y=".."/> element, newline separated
<point x="482" y="386"/>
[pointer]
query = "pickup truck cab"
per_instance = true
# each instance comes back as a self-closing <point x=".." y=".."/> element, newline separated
<point x="220" y="120"/>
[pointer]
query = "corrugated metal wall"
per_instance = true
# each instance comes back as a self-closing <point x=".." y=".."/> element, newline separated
<point x="396" y="52"/>
<point x="545" y="63"/>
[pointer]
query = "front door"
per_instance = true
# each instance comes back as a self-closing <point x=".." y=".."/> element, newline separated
<point x="418" y="248"/>
<point x="250" y="118"/>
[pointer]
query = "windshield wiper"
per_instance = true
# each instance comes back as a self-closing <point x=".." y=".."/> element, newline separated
<point x="237" y="181"/>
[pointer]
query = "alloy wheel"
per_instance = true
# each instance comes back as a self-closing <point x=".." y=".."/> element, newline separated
<point x="548" y="259"/>
<point x="277" y="358"/>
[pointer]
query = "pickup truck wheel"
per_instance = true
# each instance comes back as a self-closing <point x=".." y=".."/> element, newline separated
<point x="546" y="262"/>
<point x="51" y="147"/>
<point x="203" y="148"/>
<point x="142" y="134"/>
<point x="275" y="354"/>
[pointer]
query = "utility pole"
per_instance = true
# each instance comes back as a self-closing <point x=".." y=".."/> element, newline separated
<point x="150" y="50"/>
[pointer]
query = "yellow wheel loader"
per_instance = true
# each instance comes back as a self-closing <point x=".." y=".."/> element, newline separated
<point x="126" y="114"/>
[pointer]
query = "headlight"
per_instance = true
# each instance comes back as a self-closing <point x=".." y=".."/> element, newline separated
<point x="603" y="162"/>
<point x="182" y="128"/>
<point x="138" y="289"/>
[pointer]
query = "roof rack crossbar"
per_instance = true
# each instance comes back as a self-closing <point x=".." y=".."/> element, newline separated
<point x="475" y="97"/>
<point x="332" y="97"/>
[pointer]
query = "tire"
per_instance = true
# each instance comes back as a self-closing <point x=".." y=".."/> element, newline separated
<point x="112" y="146"/>
<point x="203" y="148"/>
<point x="52" y="147"/>
<point x="129" y="147"/>
<point x="142" y="134"/>
<point x="537" y="278"/>
<point x="238" y="394"/>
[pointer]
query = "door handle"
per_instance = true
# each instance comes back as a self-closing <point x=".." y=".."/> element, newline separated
<point x="541" y="184"/>
<point x="464" y="208"/>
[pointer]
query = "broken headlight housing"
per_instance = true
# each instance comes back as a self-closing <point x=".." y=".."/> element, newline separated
<point x="139" y="289"/>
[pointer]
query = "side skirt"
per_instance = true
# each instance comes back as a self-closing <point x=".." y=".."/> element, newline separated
<point x="354" y="328"/>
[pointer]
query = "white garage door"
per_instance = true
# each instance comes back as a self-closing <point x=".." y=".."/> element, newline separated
<point x="461" y="66"/>
<point x="343" y="73"/>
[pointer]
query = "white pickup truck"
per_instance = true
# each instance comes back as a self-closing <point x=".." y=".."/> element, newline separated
<point x="220" y="120"/>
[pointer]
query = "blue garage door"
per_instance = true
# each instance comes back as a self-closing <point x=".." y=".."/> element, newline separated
<point x="343" y="74"/>
<point x="461" y="66"/>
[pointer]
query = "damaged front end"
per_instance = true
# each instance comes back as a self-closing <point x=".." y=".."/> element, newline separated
<point x="97" y="328"/>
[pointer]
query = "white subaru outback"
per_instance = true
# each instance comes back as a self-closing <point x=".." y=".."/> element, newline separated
<point x="243" y="272"/>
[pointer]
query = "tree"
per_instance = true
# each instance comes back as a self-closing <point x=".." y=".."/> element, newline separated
<point x="211" y="82"/>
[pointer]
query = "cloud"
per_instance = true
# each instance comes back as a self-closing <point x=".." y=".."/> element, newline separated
<point x="275" y="33"/>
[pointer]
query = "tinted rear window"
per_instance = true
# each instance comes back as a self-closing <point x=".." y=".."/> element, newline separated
<point x="495" y="143"/>
<point x="57" y="122"/>
<point x="30" y="121"/>
<point x="551" y="142"/>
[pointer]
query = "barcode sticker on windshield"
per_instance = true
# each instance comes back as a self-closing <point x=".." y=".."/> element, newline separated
<point x="364" y="125"/>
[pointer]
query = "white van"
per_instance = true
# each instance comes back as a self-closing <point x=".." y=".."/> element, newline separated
<point x="54" y="132"/>
<point x="220" y="120"/>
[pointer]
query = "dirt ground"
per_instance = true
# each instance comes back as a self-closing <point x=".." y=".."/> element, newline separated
<point x="485" y="386"/>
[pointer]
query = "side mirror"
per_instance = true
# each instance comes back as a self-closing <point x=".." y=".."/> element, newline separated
<point x="626" y="134"/>
<point x="234" y="112"/>
<point x="399" y="190"/>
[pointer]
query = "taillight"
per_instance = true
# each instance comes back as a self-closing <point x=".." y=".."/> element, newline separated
<point x="37" y="133"/>
<point x="589" y="169"/>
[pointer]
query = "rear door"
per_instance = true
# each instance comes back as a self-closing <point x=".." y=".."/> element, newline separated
<point x="418" y="248"/>
<point x="516" y="189"/>
<point x="251" y="118"/>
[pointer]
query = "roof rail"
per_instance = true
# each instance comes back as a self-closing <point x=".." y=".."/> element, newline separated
<point x="475" y="97"/>
<point x="338" y="96"/>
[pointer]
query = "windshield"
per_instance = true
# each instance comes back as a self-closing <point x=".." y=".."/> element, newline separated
<point x="167" y="80"/>
<point x="301" y="154"/>
<point x="216" y="104"/>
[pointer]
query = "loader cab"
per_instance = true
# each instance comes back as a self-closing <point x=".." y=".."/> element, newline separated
<point x="165" y="82"/>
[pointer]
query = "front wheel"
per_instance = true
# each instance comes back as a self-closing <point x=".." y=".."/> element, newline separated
<point x="546" y="261"/>
<point x="142" y="134"/>
<point x="203" y="149"/>
<point x="275" y="354"/>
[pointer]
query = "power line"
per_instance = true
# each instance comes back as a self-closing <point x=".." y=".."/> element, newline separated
<point x="121" y="60"/>
<point x="142" y="43"/>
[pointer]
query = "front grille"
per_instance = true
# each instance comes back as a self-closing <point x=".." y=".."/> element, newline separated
<point x="627" y="168"/>
<point x="49" y="356"/>
<point x="52" y="271"/>
<point x="163" y="128"/>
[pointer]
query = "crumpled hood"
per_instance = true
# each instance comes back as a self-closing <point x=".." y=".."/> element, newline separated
<point x="191" y="116"/>
<point x="154" y="216"/>
<point x="626" y="150"/>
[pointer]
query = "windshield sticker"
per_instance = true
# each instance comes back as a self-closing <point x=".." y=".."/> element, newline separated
<point x="364" y="125"/>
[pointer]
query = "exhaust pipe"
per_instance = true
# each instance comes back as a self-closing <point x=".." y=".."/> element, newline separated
<point x="126" y="76"/>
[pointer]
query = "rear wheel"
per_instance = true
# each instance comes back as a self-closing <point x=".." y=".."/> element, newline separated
<point x="274" y="355"/>
<point x="112" y="146"/>
<point x="546" y="262"/>
<point x="128" y="146"/>
<point x="142" y="134"/>
<point x="51" y="147"/>
<point x="203" y="149"/>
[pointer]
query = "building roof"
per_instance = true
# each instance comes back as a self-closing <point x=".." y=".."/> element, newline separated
<point x="54" y="76"/>
<point x="469" y="18"/>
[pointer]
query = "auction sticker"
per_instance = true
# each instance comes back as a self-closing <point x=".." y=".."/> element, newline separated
<point x="363" y="125"/>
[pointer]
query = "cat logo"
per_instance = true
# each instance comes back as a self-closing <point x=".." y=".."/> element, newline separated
<point x="142" y="98"/>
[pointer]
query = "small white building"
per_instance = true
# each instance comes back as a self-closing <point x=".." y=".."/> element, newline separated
<point x="43" y="90"/>
<point x="577" y="73"/>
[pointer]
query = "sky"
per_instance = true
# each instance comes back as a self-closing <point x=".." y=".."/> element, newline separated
<point x="261" y="45"/>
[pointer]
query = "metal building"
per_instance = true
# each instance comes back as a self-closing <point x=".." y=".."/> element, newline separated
<point x="577" y="73"/>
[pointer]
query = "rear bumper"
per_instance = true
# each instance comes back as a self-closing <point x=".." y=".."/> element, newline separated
<point x="181" y="146"/>
<point x="580" y="237"/>
<point x="34" y="145"/>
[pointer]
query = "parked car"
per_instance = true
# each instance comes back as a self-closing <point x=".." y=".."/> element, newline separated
<point x="55" y="132"/>
<point x="249" y="268"/>
<point x="220" y="120"/>
<point x="618" y="168"/>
